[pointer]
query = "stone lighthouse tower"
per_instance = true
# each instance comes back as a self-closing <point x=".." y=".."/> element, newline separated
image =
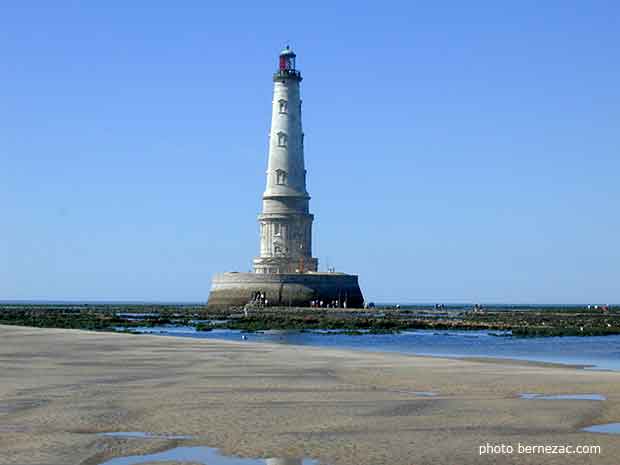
<point x="285" y="222"/>
<point x="285" y="273"/>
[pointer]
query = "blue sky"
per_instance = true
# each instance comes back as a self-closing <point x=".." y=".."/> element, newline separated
<point x="456" y="151"/>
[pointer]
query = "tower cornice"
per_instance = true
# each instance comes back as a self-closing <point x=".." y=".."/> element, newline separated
<point x="289" y="194"/>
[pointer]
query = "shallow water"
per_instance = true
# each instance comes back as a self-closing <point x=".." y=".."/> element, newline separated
<point x="600" y="352"/>
<point x="531" y="396"/>
<point x="203" y="455"/>
<point x="424" y="393"/>
<point x="609" y="428"/>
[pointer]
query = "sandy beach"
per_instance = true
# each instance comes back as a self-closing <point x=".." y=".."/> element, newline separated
<point x="58" y="388"/>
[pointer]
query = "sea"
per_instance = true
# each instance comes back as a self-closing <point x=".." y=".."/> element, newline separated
<point x="590" y="352"/>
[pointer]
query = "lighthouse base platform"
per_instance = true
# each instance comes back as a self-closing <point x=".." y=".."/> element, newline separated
<point x="294" y="289"/>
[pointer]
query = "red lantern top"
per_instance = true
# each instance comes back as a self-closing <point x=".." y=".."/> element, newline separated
<point x="287" y="59"/>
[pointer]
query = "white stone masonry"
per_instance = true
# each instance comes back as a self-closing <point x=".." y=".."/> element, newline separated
<point x="285" y="222"/>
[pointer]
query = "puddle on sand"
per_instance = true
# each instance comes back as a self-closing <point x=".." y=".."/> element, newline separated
<point x="143" y="435"/>
<point x="415" y="393"/>
<point x="199" y="455"/>
<point x="530" y="396"/>
<point x="205" y="456"/>
<point x="14" y="429"/>
<point x="16" y="405"/>
<point x="608" y="428"/>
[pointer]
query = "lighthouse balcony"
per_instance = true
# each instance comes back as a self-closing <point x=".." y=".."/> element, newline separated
<point x="287" y="74"/>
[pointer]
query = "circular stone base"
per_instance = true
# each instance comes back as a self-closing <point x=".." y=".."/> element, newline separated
<point x="295" y="289"/>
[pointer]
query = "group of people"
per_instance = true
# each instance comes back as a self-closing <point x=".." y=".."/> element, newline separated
<point x="332" y="304"/>
<point x="603" y="308"/>
<point x="260" y="299"/>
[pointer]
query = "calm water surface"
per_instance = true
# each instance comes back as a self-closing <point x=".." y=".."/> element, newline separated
<point x="599" y="352"/>
<point x="532" y="396"/>
<point x="608" y="428"/>
<point x="203" y="455"/>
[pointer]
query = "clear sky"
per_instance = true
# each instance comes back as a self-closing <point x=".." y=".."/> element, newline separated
<point x="456" y="151"/>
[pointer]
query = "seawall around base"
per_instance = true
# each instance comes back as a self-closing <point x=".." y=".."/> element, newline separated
<point x="295" y="289"/>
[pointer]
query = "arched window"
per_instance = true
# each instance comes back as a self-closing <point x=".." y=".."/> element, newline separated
<point x="282" y="139"/>
<point x="283" y="106"/>
<point x="281" y="177"/>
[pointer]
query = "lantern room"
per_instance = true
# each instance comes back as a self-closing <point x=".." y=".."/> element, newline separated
<point x="287" y="59"/>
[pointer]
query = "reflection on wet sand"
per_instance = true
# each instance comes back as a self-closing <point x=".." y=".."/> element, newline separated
<point x="285" y="461"/>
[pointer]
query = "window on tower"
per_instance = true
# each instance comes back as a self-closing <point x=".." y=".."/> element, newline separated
<point x="283" y="106"/>
<point x="281" y="177"/>
<point x="276" y="229"/>
<point x="282" y="139"/>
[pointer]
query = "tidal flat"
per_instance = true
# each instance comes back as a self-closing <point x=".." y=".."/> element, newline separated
<point x="60" y="389"/>
<point x="520" y="321"/>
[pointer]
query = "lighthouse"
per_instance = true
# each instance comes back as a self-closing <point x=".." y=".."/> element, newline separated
<point x="285" y="221"/>
<point x="285" y="273"/>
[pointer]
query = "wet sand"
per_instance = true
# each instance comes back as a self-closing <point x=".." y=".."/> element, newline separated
<point x="58" y="388"/>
